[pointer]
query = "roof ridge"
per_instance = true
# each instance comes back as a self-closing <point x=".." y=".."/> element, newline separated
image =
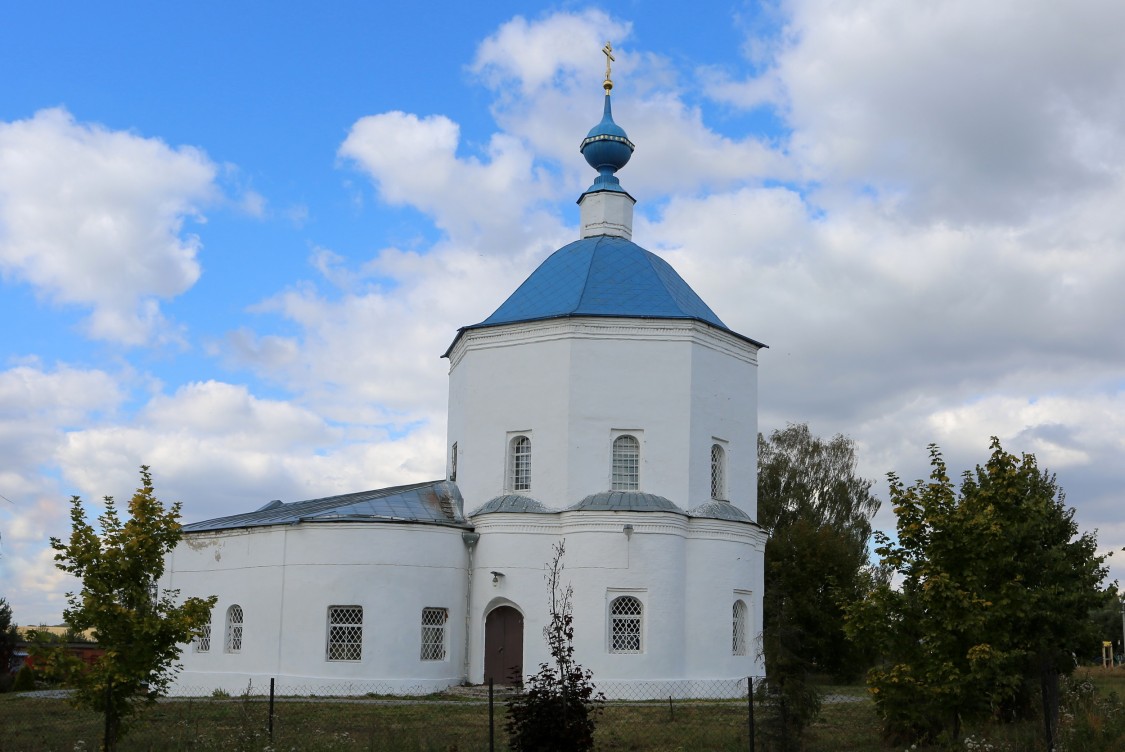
<point x="589" y="272"/>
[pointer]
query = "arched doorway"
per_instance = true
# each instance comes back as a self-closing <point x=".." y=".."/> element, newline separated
<point x="503" y="646"/>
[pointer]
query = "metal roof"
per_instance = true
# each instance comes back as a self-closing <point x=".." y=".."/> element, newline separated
<point x="625" y="501"/>
<point x="603" y="275"/>
<point x="433" y="502"/>
<point x="720" y="510"/>
<point x="616" y="501"/>
<point x="512" y="503"/>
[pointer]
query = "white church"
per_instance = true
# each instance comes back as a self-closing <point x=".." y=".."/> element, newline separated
<point x="604" y="404"/>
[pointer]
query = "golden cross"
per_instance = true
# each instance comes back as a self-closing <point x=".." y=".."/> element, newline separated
<point x="608" y="50"/>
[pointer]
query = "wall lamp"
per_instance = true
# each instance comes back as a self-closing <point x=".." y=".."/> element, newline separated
<point x="628" y="530"/>
<point x="496" y="577"/>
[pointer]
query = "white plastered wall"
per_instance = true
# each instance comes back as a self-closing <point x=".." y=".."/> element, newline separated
<point x="286" y="577"/>
<point x="572" y="382"/>
<point x="684" y="570"/>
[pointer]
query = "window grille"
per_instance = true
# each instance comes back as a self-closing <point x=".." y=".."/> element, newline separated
<point x="433" y="633"/>
<point x="453" y="462"/>
<point x="718" y="473"/>
<point x="738" y="636"/>
<point x="519" y="464"/>
<point x="345" y="633"/>
<point x="203" y="639"/>
<point x="234" y="629"/>
<point x="626" y="463"/>
<point x="625" y="614"/>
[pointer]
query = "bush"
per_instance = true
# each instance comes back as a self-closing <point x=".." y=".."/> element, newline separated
<point x="1090" y="722"/>
<point x="557" y="709"/>
<point x="25" y="680"/>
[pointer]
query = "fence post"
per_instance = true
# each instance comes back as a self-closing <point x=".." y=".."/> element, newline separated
<point x="750" y="709"/>
<point x="108" y="744"/>
<point x="271" y="709"/>
<point x="491" y="721"/>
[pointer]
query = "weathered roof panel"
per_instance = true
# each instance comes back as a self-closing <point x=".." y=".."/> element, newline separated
<point x="433" y="502"/>
<point x="720" y="510"/>
<point x="512" y="503"/>
<point x="625" y="501"/>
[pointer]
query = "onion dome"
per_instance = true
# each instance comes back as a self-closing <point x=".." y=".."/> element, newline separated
<point x="607" y="149"/>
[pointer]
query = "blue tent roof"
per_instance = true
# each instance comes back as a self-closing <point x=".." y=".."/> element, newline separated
<point x="603" y="275"/>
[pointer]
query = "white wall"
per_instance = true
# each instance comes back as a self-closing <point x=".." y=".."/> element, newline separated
<point x="572" y="382"/>
<point x="286" y="577"/>
<point x="684" y="570"/>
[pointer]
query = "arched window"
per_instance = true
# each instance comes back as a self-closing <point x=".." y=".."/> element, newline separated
<point x="626" y="463"/>
<point x="519" y="464"/>
<point x="625" y="624"/>
<point x="718" y="472"/>
<point x="234" y="629"/>
<point x="738" y="636"/>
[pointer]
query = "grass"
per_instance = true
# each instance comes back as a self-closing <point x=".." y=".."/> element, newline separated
<point x="448" y="722"/>
<point x="35" y="725"/>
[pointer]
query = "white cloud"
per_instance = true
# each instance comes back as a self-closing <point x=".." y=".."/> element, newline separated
<point x="555" y="50"/>
<point x="370" y="354"/>
<point x="958" y="110"/>
<point x="413" y="160"/>
<point x="94" y="217"/>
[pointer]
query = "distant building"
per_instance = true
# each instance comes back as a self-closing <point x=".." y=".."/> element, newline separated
<point x="603" y="403"/>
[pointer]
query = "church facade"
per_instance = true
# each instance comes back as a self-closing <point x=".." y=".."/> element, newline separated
<point x="603" y="404"/>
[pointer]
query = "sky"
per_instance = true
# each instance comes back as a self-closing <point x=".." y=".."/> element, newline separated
<point x="236" y="238"/>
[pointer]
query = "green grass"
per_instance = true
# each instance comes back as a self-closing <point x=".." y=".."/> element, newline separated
<point x="448" y="722"/>
<point x="355" y="724"/>
<point x="1106" y="680"/>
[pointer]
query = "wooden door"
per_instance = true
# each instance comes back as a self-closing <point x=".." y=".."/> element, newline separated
<point x="503" y="646"/>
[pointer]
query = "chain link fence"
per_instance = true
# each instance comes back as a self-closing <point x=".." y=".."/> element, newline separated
<point x="681" y="715"/>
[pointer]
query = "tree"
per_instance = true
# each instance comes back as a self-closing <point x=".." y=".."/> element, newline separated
<point x="9" y="636"/>
<point x="8" y="639"/>
<point x="557" y="708"/>
<point x="141" y="628"/>
<point x="1107" y="627"/>
<point x="818" y="513"/>
<point x="996" y="591"/>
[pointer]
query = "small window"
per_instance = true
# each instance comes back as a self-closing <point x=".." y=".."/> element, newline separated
<point x="626" y="463"/>
<point x="433" y="633"/>
<point x="519" y="464"/>
<point x="345" y="633"/>
<point x="203" y="639"/>
<point x="453" y="462"/>
<point x="718" y="472"/>
<point x="625" y="614"/>
<point x="738" y="635"/>
<point x="234" y="629"/>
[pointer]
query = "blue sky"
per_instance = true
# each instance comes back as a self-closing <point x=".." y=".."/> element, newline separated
<point x="235" y="239"/>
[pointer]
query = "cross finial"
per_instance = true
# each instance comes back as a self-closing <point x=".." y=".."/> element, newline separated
<point x="608" y="50"/>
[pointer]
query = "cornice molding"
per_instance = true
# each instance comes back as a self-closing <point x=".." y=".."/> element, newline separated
<point x="661" y="330"/>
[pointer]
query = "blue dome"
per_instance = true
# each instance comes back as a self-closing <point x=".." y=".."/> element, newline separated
<point x="607" y="149"/>
<point x="603" y="275"/>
